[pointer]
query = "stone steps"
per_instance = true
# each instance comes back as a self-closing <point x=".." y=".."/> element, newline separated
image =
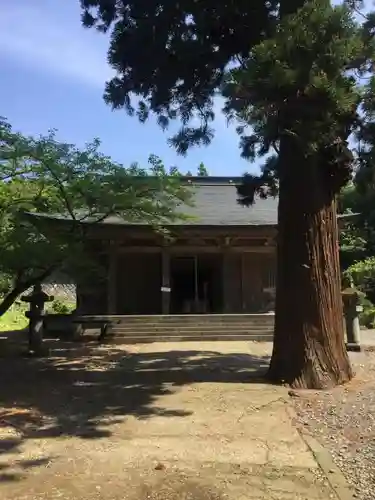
<point x="133" y="329"/>
<point x="231" y="336"/>
<point x="189" y="318"/>
<point x="200" y="327"/>
<point x="140" y="328"/>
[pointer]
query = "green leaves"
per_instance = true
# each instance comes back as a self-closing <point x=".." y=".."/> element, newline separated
<point x="202" y="170"/>
<point x="189" y="46"/>
<point x="44" y="175"/>
<point x="363" y="275"/>
<point x="357" y="239"/>
<point x="296" y="83"/>
<point x="299" y="86"/>
<point x="85" y="183"/>
<point x="282" y="75"/>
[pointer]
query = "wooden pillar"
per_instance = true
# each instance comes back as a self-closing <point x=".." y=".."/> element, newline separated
<point x="165" y="281"/>
<point x="196" y="283"/>
<point x="112" y="279"/>
<point x="226" y="281"/>
<point x="233" y="286"/>
<point x="242" y="271"/>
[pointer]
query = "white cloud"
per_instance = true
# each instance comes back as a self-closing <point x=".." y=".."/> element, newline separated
<point x="53" y="40"/>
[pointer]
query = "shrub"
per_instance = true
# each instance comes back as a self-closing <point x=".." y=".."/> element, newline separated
<point x="363" y="275"/>
<point x="367" y="316"/>
<point x="60" y="307"/>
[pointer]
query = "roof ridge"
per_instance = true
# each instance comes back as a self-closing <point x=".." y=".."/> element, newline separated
<point x="214" y="179"/>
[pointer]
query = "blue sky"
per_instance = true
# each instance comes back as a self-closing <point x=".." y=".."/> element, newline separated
<point x="52" y="76"/>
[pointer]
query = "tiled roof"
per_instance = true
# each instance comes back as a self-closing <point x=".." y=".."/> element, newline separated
<point x="214" y="204"/>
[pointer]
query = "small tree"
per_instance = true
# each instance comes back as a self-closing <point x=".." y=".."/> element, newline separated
<point x="202" y="170"/>
<point x="43" y="175"/>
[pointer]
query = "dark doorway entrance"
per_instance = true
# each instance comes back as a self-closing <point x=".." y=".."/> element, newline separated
<point x="196" y="284"/>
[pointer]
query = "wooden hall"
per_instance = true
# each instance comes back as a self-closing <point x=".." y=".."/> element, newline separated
<point x="221" y="261"/>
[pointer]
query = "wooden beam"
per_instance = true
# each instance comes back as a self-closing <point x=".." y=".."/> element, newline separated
<point x="190" y="250"/>
<point x="242" y="270"/>
<point x="121" y="232"/>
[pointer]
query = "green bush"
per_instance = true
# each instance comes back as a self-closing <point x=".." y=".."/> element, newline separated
<point x="367" y="316"/>
<point x="60" y="307"/>
<point x="362" y="274"/>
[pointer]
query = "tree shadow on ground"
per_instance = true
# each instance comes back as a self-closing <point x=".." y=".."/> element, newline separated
<point x="14" y="469"/>
<point x="83" y="389"/>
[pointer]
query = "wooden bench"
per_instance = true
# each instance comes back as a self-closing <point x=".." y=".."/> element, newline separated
<point x="102" y="323"/>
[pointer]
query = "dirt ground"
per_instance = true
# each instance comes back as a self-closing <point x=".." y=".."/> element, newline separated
<point x="183" y="421"/>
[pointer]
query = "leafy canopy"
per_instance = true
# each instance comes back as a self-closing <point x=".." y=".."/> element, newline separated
<point x="44" y="175"/>
<point x="282" y="75"/>
<point x="189" y="46"/>
<point x="298" y="86"/>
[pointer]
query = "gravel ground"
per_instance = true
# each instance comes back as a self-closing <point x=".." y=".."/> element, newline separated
<point x="343" y="420"/>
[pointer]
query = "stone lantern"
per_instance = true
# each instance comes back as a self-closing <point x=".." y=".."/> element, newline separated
<point x="351" y="300"/>
<point x="35" y="314"/>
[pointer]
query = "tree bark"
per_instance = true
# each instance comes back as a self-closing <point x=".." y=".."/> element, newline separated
<point x="309" y="349"/>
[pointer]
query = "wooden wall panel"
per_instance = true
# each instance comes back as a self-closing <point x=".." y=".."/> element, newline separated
<point x="258" y="273"/>
<point x="139" y="284"/>
<point x="93" y="287"/>
<point x="232" y="302"/>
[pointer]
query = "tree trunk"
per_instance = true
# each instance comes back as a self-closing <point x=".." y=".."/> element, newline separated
<point x="309" y="349"/>
<point x="11" y="297"/>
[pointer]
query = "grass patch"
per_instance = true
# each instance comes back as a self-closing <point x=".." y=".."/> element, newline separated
<point x="15" y="319"/>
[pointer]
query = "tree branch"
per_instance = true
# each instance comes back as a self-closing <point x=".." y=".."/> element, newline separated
<point x="21" y="287"/>
<point x="60" y="185"/>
